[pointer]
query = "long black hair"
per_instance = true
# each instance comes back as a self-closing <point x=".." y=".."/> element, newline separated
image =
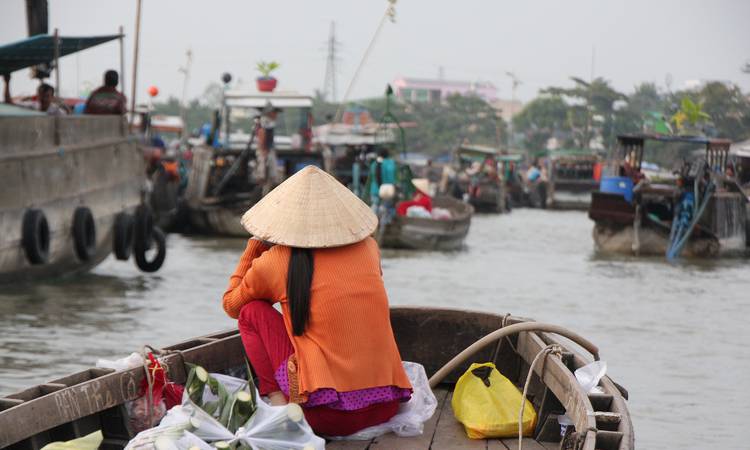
<point x="299" y="281"/>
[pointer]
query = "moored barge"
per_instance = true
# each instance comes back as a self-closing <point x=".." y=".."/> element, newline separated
<point x="701" y="213"/>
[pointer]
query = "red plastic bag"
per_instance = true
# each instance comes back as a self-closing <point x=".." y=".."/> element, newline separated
<point x="164" y="395"/>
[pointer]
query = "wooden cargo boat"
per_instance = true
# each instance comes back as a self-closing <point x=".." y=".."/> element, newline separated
<point x="477" y="179"/>
<point x="645" y="224"/>
<point x="93" y="399"/>
<point x="740" y="152"/>
<point x="572" y="179"/>
<point x="222" y="185"/>
<point x="71" y="184"/>
<point x="429" y="234"/>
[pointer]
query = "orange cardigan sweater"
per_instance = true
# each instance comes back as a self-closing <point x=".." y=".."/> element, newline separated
<point x="348" y="343"/>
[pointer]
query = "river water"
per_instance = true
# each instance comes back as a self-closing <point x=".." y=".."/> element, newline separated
<point x="675" y="335"/>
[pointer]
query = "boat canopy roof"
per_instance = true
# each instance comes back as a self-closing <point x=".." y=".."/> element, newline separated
<point x="40" y="49"/>
<point x="346" y="134"/>
<point x="702" y="140"/>
<point x="573" y="153"/>
<point x="239" y="99"/>
<point x="513" y="157"/>
<point x="478" y="150"/>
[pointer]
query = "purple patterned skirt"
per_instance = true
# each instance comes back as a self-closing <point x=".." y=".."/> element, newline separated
<point x="347" y="401"/>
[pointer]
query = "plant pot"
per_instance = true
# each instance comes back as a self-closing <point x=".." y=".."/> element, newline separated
<point x="266" y="84"/>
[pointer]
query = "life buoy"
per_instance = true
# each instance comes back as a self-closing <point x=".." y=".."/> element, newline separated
<point x="35" y="236"/>
<point x="84" y="233"/>
<point x="123" y="236"/>
<point x="141" y="259"/>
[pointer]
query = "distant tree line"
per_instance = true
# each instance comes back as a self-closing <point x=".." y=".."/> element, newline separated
<point x="592" y="114"/>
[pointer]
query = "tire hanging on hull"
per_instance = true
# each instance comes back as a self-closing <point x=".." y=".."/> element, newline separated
<point x="140" y="248"/>
<point x="124" y="236"/>
<point x="35" y="236"/>
<point x="84" y="233"/>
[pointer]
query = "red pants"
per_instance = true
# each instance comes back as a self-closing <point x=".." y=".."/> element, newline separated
<point x="268" y="346"/>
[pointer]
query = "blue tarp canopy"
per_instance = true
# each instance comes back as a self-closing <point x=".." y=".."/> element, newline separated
<point x="40" y="49"/>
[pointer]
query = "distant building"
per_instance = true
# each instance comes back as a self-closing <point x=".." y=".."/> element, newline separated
<point x="507" y="108"/>
<point x="420" y="90"/>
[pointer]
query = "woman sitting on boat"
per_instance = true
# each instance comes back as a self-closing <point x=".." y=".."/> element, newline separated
<point x="421" y="197"/>
<point x="331" y="349"/>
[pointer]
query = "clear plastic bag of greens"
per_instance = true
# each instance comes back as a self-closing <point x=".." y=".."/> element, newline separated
<point x="210" y="414"/>
<point x="279" y="428"/>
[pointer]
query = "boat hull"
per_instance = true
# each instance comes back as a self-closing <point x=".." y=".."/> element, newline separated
<point x="723" y="228"/>
<point x="93" y="399"/>
<point x="571" y="194"/>
<point x="57" y="164"/>
<point x="429" y="234"/>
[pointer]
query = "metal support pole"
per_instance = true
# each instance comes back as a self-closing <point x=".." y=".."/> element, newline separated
<point x="57" y="62"/>
<point x="122" y="59"/>
<point x="135" y="59"/>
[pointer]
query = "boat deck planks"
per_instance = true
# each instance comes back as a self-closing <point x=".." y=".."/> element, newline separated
<point x="441" y="432"/>
<point x="390" y="440"/>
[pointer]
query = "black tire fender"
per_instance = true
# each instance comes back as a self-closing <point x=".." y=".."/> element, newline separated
<point x="141" y="259"/>
<point x="144" y="225"/>
<point x="35" y="236"/>
<point x="123" y="236"/>
<point x="84" y="233"/>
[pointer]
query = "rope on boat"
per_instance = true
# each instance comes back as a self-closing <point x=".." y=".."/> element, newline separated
<point x="390" y="14"/>
<point x="150" y="381"/>
<point x="500" y="333"/>
<point x="553" y="349"/>
<point x="680" y="235"/>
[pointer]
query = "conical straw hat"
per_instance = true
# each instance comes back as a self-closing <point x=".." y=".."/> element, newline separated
<point x="311" y="209"/>
<point x="422" y="184"/>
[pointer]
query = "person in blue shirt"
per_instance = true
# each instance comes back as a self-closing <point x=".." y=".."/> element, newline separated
<point x="382" y="171"/>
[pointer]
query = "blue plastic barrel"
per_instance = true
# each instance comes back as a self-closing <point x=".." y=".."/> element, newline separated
<point x="618" y="185"/>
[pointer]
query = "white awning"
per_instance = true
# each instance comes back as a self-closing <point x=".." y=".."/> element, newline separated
<point x="260" y="99"/>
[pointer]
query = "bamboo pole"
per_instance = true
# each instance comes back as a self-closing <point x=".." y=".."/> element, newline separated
<point x="135" y="60"/>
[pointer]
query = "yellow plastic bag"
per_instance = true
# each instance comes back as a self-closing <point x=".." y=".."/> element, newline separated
<point x="89" y="442"/>
<point x="487" y="404"/>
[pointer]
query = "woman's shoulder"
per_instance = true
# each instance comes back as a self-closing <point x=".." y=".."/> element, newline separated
<point x="274" y="256"/>
<point x="365" y="246"/>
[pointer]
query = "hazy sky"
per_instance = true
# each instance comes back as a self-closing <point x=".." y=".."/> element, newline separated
<point x="543" y="41"/>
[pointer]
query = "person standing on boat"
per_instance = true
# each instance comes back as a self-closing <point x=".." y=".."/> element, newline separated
<point x="332" y="348"/>
<point x="382" y="171"/>
<point x="106" y="99"/>
<point x="6" y="89"/>
<point x="266" y="163"/>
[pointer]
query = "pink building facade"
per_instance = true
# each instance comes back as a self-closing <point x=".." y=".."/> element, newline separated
<point x="434" y="91"/>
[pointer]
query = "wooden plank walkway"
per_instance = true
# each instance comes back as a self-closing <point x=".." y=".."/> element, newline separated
<point x="441" y="432"/>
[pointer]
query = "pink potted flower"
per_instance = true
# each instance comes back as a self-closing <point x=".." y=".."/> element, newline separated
<point x="265" y="82"/>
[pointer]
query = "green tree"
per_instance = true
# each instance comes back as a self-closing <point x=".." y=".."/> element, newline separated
<point x="440" y="127"/>
<point x="591" y="109"/>
<point x="541" y="119"/>
<point x="729" y="109"/>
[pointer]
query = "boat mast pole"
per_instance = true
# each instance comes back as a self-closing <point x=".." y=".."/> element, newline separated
<point x="183" y="102"/>
<point x="57" y="62"/>
<point x="135" y="59"/>
<point x="122" y="59"/>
